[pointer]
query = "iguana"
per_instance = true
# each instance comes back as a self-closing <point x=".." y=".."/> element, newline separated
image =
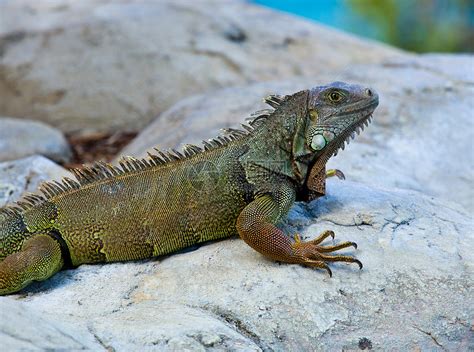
<point x="242" y="182"/>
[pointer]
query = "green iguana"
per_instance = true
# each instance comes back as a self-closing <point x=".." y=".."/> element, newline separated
<point x="243" y="182"/>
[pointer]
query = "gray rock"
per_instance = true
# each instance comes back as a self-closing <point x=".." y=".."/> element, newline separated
<point x="421" y="138"/>
<point x="23" y="328"/>
<point x="424" y="129"/>
<point x="108" y="65"/>
<point x="20" y="138"/>
<point x="25" y="175"/>
<point x="414" y="293"/>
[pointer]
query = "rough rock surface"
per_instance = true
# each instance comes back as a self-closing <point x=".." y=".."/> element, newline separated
<point x="421" y="138"/>
<point x="25" y="175"/>
<point x="107" y="65"/>
<point x="414" y="293"/>
<point x="23" y="328"/>
<point x="20" y="138"/>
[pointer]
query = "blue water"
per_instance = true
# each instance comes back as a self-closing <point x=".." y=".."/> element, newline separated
<point x="334" y="13"/>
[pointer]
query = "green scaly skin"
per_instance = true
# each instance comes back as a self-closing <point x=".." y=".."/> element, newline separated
<point x="242" y="183"/>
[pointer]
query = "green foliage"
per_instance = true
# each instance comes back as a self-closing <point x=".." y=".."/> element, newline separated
<point x="421" y="25"/>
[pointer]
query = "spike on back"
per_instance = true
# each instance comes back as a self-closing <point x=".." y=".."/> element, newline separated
<point x="10" y="211"/>
<point x="101" y="170"/>
<point x="274" y="100"/>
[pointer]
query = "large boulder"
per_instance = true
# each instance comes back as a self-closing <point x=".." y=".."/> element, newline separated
<point x="421" y="137"/>
<point x="107" y="65"/>
<point x="414" y="293"/>
<point x="20" y="138"/>
<point x="25" y="175"/>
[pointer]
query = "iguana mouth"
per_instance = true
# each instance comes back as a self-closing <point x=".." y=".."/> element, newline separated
<point x="340" y="141"/>
<point x="345" y="138"/>
<point x="363" y="117"/>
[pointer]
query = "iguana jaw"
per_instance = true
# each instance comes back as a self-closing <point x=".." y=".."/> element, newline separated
<point x="361" y="119"/>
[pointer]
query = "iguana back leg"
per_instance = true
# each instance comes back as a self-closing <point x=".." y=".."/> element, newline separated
<point x="39" y="259"/>
<point x="256" y="226"/>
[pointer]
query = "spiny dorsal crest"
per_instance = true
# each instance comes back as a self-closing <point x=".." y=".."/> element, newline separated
<point x="101" y="170"/>
<point x="274" y="100"/>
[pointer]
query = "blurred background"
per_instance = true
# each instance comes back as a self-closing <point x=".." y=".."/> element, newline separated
<point x="416" y="25"/>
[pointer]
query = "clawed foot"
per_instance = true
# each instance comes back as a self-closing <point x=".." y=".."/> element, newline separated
<point x="310" y="253"/>
<point x="335" y="172"/>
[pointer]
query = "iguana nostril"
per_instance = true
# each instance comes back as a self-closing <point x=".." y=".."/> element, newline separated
<point x="368" y="92"/>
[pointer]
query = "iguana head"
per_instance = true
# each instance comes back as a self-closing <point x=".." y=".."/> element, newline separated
<point x="334" y="114"/>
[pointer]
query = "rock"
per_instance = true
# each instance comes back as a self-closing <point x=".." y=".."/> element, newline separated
<point x="20" y="138"/>
<point x="414" y="292"/>
<point x="104" y="65"/>
<point x="421" y="138"/>
<point x="25" y="175"/>
<point x="22" y="328"/>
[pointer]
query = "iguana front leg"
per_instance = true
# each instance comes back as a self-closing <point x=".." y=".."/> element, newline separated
<point x="256" y="226"/>
<point x="39" y="259"/>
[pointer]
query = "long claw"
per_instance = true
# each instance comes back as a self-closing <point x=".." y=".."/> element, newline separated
<point x="310" y="253"/>
<point x="342" y="245"/>
<point x="335" y="172"/>
<point x="322" y="237"/>
<point x="340" y="258"/>
<point x="318" y="264"/>
<point x="329" y="270"/>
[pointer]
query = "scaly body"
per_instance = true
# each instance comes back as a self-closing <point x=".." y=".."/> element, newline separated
<point x="243" y="183"/>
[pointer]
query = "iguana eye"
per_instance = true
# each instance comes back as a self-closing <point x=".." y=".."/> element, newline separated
<point x="335" y="97"/>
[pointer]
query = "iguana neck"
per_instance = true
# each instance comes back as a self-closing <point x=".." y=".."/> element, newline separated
<point x="279" y="141"/>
